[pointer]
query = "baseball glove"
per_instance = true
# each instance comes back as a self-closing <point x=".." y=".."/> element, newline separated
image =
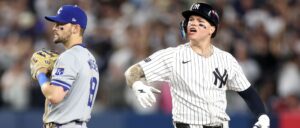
<point x="42" y="59"/>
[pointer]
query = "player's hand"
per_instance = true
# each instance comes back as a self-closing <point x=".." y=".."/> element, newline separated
<point x="42" y="61"/>
<point x="144" y="93"/>
<point x="263" y="122"/>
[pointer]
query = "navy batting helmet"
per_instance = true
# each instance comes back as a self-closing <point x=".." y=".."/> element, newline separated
<point x="204" y="10"/>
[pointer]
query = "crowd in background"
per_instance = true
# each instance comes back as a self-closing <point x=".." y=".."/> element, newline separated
<point x="264" y="36"/>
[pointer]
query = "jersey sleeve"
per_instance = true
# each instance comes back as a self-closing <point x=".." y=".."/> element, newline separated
<point x="65" y="71"/>
<point x="157" y="67"/>
<point x="238" y="82"/>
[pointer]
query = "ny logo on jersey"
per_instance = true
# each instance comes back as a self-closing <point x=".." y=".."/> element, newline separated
<point x="222" y="78"/>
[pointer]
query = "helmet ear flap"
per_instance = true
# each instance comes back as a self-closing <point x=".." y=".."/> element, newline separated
<point x="183" y="28"/>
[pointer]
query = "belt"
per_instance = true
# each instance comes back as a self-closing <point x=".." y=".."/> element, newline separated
<point x="55" y="125"/>
<point x="184" y="125"/>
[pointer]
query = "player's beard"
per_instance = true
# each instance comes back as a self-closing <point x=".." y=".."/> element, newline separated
<point x="62" y="38"/>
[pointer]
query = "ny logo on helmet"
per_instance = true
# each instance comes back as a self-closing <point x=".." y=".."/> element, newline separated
<point x="195" y="7"/>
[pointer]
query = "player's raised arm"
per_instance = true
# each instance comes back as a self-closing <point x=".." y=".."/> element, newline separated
<point x="135" y="79"/>
<point x="41" y="67"/>
<point x="133" y="74"/>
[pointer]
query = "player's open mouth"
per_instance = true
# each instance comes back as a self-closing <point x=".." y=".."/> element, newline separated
<point x="193" y="30"/>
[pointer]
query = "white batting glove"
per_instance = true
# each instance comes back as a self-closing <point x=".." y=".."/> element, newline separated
<point x="144" y="93"/>
<point x="263" y="122"/>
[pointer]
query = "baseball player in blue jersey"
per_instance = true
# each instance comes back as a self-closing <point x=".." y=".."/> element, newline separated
<point x="71" y="90"/>
<point x="199" y="74"/>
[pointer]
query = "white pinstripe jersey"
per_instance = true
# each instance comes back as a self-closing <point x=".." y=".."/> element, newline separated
<point x="198" y="84"/>
<point x="76" y="71"/>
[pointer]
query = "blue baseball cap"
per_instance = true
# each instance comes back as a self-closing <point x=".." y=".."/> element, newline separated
<point x="69" y="14"/>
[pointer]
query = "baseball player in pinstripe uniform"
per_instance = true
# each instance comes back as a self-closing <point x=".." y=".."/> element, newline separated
<point x="199" y="75"/>
<point x="71" y="91"/>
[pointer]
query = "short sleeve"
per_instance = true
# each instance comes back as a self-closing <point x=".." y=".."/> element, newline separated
<point x="238" y="82"/>
<point x="157" y="67"/>
<point x="65" y="71"/>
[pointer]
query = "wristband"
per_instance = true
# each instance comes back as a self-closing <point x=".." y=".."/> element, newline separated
<point x="42" y="78"/>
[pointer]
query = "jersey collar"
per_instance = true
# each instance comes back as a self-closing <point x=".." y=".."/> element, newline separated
<point x="81" y="44"/>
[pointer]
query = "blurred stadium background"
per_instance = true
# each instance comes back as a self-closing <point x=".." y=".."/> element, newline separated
<point x="264" y="35"/>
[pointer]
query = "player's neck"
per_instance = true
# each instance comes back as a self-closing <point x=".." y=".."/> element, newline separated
<point x="203" y="48"/>
<point x="73" y="41"/>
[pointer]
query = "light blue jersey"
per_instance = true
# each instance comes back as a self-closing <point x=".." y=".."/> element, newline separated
<point x="76" y="71"/>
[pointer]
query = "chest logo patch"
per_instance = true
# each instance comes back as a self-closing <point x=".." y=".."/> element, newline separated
<point x="221" y="78"/>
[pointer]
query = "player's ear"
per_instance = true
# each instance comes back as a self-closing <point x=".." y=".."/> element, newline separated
<point x="212" y="30"/>
<point x="76" y="29"/>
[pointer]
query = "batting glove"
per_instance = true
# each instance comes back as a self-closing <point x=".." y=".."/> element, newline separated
<point x="144" y="93"/>
<point x="263" y="122"/>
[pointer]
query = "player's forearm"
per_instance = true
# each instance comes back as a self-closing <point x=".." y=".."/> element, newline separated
<point x="253" y="100"/>
<point x="47" y="91"/>
<point x="52" y="93"/>
<point x="134" y="73"/>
